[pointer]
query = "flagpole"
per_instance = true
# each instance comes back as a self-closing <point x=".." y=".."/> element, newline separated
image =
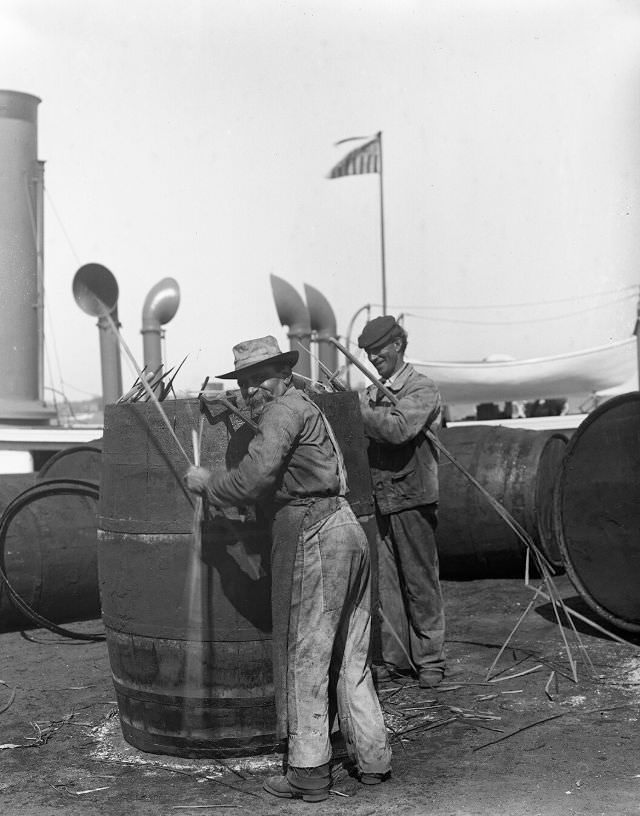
<point x="366" y="159"/>
<point x="384" y="272"/>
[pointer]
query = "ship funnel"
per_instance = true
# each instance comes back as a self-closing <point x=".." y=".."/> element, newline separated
<point x="292" y="312"/>
<point x="21" y="262"/>
<point x="159" y="307"/>
<point x="323" y="322"/>
<point x="95" y="290"/>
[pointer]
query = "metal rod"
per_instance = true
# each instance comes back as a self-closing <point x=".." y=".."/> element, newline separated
<point x="389" y="394"/>
<point x="230" y="407"/>
<point x="542" y="562"/>
<point x="145" y="385"/>
<point x="636" y="331"/>
<point x="39" y="189"/>
<point x="502" y="511"/>
<point x="366" y="307"/>
<point x="384" y="271"/>
<point x="333" y="380"/>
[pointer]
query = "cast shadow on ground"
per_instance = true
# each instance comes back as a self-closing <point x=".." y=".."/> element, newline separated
<point x="577" y="604"/>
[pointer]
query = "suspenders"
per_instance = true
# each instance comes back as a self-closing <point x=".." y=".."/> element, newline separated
<point x="342" y="473"/>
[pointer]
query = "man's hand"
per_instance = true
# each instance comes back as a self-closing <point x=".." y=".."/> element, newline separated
<point x="196" y="479"/>
<point x="366" y="403"/>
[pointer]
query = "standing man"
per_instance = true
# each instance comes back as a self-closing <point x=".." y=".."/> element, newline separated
<point x="320" y="569"/>
<point x="404" y="468"/>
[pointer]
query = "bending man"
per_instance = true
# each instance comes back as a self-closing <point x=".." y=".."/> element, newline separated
<point x="320" y="574"/>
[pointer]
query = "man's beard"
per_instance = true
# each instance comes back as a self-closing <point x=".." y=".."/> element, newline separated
<point x="258" y="401"/>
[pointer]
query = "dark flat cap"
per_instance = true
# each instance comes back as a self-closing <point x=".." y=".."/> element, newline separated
<point x="378" y="332"/>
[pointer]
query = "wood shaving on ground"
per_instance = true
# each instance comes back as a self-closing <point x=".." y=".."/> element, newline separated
<point x="60" y="787"/>
<point x="519" y="674"/>
<point x="554" y="717"/>
<point x="44" y="734"/>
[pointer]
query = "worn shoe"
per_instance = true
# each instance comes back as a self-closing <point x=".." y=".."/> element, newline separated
<point x="382" y="674"/>
<point x="430" y="678"/>
<point x="308" y="784"/>
<point x="280" y="786"/>
<point x="374" y="778"/>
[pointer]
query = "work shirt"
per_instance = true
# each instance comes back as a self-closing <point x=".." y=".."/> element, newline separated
<point x="290" y="458"/>
<point x="404" y="464"/>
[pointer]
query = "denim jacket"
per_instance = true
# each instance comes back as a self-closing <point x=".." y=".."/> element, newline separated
<point x="404" y="464"/>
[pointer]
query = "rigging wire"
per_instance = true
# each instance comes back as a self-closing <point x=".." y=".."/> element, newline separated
<point x="631" y="288"/>
<point x="56" y="356"/>
<point x="521" y="320"/>
<point x="50" y="322"/>
<point x="54" y="391"/>
<point x="59" y="220"/>
<point x="90" y="394"/>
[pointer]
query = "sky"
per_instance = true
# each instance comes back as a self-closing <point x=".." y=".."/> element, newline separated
<point x="192" y="139"/>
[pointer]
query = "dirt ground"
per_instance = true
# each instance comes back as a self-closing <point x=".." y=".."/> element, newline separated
<point x="558" y="747"/>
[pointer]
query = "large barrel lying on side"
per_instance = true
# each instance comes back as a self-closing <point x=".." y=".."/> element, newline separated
<point x="597" y="510"/>
<point x="188" y="631"/>
<point x="518" y="468"/>
<point x="49" y="555"/>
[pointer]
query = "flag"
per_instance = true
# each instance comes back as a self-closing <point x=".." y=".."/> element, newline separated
<point x="364" y="159"/>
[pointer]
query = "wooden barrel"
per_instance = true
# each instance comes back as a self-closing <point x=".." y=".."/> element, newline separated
<point x="597" y="510"/>
<point x="188" y="631"/>
<point x="518" y="468"/>
<point x="342" y="409"/>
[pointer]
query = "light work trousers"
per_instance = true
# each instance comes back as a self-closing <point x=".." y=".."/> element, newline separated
<point x="410" y="598"/>
<point x="329" y="643"/>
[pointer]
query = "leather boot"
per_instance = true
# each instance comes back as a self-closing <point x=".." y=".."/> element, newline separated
<point x="374" y="778"/>
<point x="308" y="784"/>
<point x="430" y="678"/>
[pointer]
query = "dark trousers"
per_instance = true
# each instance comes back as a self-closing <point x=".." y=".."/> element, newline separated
<point x="411" y="610"/>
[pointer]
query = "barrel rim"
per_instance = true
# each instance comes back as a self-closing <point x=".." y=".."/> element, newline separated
<point x="222" y="748"/>
<point x="554" y="560"/>
<point x="558" y="516"/>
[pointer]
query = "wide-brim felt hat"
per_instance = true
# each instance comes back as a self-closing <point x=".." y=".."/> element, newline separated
<point x="251" y="355"/>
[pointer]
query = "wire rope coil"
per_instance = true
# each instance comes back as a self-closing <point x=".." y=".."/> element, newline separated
<point x="40" y="490"/>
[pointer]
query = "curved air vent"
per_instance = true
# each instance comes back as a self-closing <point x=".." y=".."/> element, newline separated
<point x="293" y="313"/>
<point x="323" y="322"/>
<point x="96" y="292"/>
<point x="159" y="307"/>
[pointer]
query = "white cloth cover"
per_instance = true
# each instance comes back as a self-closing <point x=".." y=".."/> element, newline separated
<point x="605" y="371"/>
